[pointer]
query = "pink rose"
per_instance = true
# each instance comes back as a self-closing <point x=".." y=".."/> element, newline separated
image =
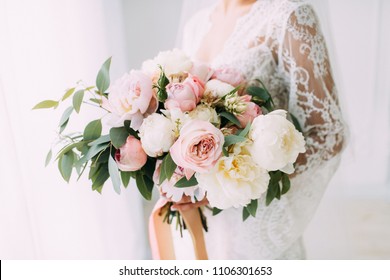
<point x="229" y="75"/>
<point x="129" y="99"/>
<point x="184" y="96"/>
<point x="131" y="156"/>
<point x="198" y="147"/>
<point x="252" y="110"/>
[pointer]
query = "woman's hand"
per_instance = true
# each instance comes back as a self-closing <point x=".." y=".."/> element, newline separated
<point x="185" y="204"/>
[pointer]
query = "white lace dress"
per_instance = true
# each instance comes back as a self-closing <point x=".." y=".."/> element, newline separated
<point x="279" y="42"/>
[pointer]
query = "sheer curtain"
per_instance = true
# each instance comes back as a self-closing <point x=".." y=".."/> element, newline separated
<point x="46" y="46"/>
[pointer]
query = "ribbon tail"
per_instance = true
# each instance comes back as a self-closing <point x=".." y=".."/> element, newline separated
<point x="194" y="225"/>
<point x="160" y="235"/>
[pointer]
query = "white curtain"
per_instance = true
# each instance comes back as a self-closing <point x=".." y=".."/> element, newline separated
<point x="45" y="47"/>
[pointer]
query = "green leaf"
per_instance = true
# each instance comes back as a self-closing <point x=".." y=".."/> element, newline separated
<point x="230" y="117"/>
<point x="225" y="152"/>
<point x="114" y="174"/>
<point x="118" y="136"/>
<point x="62" y="127"/>
<point x="245" y="131"/>
<point x="101" y="177"/>
<point x="101" y="140"/>
<point x="65" y="165"/>
<point x="259" y="92"/>
<point x="233" y="139"/>
<point x="93" y="151"/>
<point x="216" y="211"/>
<point x="184" y="183"/>
<point x="125" y="178"/>
<point x="144" y="185"/>
<point x="48" y="157"/>
<point x="130" y="130"/>
<point x="103" y="77"/>
<point x="168" y="167"/>
<point x="68" y="93"/>
<point x="78" y="100"/>
<point x="285" y="183"/>
<point x="245" y="214"/>
<point x="93" y="130"/>
<point x="65" y="116"/>
<point x="96" y="100"/>
<point x="296" y="123"/>
<point x="271" y="192"/>
<point x="67" y="148"/>
<point x="252" y="207"/>
<point x="46" y="104"/>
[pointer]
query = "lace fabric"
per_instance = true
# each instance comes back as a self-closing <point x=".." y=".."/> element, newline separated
<point x="280" y="43"/>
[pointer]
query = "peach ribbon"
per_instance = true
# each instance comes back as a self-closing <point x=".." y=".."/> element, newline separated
<point x="160" y="235"/>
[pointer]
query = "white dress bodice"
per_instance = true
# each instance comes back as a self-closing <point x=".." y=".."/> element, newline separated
<point x="280" y="43"/>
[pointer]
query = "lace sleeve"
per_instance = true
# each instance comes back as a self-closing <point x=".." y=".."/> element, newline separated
<point x="313" y="98"/>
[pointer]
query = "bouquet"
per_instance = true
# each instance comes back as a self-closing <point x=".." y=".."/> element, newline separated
<point x="186" y="128"/>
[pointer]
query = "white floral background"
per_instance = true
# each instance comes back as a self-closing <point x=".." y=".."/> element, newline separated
<point x="46" y="46"/>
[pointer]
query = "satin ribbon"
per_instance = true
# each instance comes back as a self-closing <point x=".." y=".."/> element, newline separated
<point x="160" y="235"/>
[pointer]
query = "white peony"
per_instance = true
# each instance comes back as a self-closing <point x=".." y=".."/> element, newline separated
<point x="234" y="181"/>
<point x="214" y="90"/>
<point x="205" y="113"/>
<point x="276" y="143"/>
<point x="173" y="62"/>
<point x="157" y="135"/>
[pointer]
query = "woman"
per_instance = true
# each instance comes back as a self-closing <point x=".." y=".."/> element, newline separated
<point x="280" y="43"/>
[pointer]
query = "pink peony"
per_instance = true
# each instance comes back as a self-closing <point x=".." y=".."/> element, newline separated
<point x="198" y="147"/>
<point x="130" y="98"/>
<point x="229" y="75"/>
<point x="184" y="96"/>
<point x="131" y="156"/>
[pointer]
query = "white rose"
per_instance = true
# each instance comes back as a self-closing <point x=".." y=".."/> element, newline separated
<point x="173" y="62"/>
<point x="233" y="182"/>
<point x="205" y="113"/>
<point x="276" y="143"/>
<point x="157" y="135"/>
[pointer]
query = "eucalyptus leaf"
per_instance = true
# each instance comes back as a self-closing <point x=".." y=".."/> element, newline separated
<point x="245" y="131"/>
<point x="118" y="136"/>
<point x="68" y="93"/>
<point x="230" y="117"/>
<point x="93" y="130"/>
<point x="233" y="139"/>
<point x="103" y="77"/>
<point x="184" y="183"/>
<point x="62" y="127"/>
<point x="65" y="116"/>
<point x="48" y="157"/>
<point x="101" y="140"/>
<point x="78" y="100"/>
<point x="114" y="174"/>
<point x="65" y="165"/>
<point x="67" y="148"/>
<point x="46" y="104"/>
<point x="93" y="151"/>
